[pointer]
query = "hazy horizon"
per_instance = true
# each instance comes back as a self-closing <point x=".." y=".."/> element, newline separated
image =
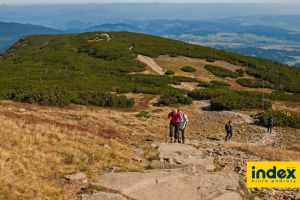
<point x="33" y="2"/>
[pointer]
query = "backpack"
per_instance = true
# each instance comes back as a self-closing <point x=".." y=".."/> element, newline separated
<point x="183" y="115"/>
<point x="227" y="127"/>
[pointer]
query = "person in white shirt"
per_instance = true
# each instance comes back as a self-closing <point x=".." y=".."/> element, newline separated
<point x="182" y="128"/>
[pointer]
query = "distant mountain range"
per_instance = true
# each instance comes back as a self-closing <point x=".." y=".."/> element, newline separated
<point x="272" y="37"/>
<point x="11" y="32"/>
<point x="197" y="28"/>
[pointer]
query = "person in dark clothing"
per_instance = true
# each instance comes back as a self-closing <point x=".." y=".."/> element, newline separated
<point x="270" y="124"/>
<point x="176" y="118"/>
<point x="229" y="130"/>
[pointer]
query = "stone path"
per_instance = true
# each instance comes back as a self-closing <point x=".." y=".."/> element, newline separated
<point x="183" y="172"/>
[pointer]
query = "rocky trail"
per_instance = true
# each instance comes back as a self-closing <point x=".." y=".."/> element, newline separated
<point x="200" y="169"/>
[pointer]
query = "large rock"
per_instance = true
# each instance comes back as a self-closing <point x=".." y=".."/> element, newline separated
<point x="173" y="184"/>
<point x="78" y="177"/>
<point x="102" y="196"/>
<point x="184" y="155"/>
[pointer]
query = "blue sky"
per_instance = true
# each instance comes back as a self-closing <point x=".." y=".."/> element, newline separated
<point x="144" y="1"/>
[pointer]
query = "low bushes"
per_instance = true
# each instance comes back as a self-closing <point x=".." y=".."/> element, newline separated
<point x="282" y="96"/>
<point x="188" y="69"/>
<point x="222" y="72"/>
<point x="281" y="119"/>
<point x="62" y="97"/>
<point x="253" y="83"/>
<point x="169" y="72"/>
<point x="227" y="99"/>
<point x="175" y="97"/>
<point x="210" y="60"/>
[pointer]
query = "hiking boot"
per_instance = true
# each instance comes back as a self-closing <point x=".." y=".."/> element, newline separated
<point x="179" y="141"/>
<point x="171" y="141"/>
<point x="175" y="141"/>
<point x="182" y="142"/>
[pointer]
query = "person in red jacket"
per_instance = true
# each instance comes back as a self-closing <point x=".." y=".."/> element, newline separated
<point x="176" y="118"/>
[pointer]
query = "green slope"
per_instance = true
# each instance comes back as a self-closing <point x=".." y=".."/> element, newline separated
<point x="78" y="66"/>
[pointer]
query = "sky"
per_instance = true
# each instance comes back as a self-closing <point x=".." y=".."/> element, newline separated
<point x="144" y="1"/>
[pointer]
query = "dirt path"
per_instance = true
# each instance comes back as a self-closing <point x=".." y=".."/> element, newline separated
<point x="245" y="129"/>
<point x="151" y="63"/>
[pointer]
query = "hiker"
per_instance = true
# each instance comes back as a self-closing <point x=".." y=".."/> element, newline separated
<point x="229" y="130"/>
<point x="182" y="128"/>
<point x="174" y="123"/>
<point x="270" y="124"/>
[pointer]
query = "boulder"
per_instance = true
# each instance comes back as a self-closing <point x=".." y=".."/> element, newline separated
<point x="78" y="177"/>
<point x="174" y="183"/>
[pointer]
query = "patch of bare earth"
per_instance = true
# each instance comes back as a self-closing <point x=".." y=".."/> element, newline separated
<point x="151" y="63"/>
<point x="176" y="63"/>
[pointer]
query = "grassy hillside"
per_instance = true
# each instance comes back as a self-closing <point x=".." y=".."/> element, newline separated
<point x="85" y="68"/>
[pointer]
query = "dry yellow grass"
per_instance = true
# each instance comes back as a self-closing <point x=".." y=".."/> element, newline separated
<point x="44" y="143"/>
<point x="41" y="145"/>
<point x="290" y="107"/>
<point x="266" y="152"/>
<point x="35" y="156"/>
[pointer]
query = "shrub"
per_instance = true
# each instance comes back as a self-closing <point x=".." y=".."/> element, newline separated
<point x="253" y="83"/>
<point x="282" y="96"/>
<point x="240" y="72"/>
<point x="169" y="99"/>
<point x="169" y="72"/>
<point x="210" y="60"/>
<point x="235" y="101"/>
<point x="186" y="79"/>
<point x="226" y="99"/>
<point x="143" y="114"/>
<point x="173" y="55"/>
<point x="204" y="84"/>
<point x="280" y="119"/>
<point x="222" y="72"/>
<point x="188" y="69"/>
